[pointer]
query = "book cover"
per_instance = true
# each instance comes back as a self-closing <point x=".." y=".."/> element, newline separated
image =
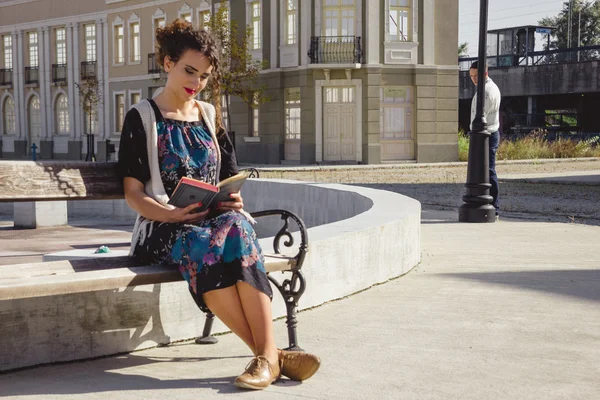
<point x="190" y="191"/>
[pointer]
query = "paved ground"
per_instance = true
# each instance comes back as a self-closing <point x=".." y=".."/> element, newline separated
<point x="563" y="190"/>
<point x="509" y="310"/>
<point x="495" y="311"/>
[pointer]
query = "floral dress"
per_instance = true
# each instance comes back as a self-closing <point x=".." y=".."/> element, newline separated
<point x="215" y="253"/>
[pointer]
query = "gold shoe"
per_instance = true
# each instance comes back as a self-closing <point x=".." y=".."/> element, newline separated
<point x="298" y="365"/>
<point x="259" y="374"/>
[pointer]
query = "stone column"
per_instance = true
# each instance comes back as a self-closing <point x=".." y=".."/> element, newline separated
<point x="275" y="40"/>
<point x="428" y="32"/>
<point x="21" y="142"/>
<point x="372" y="37"/>
<point x="305" y="30"/>
<point x="17" y="68"/>
<point x="102" y="74"/>
<point x="46" y="149"/>
<point x="41" y="32"/>
<point x="75" y="60"/>
<point x="71" y="77"/>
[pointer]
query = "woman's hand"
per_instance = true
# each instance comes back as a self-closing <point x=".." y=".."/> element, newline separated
<point x="187" y="215"/>
<point x="235" y="204"/>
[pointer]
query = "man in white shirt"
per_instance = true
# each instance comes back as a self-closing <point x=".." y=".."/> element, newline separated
<point x="491" y="111"/>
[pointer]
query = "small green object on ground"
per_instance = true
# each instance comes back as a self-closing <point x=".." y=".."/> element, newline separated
<point x="102" y="250"/>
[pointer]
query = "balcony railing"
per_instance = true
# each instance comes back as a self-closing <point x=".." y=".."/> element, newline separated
<point x="32" y="75"/>
<point x="335" y="50"/>
<point x="59" y="73"/>
<point x="153" y="67"/>
<point x="544" y="57"/>
<point x="88" y="69"/>
<point x="6" y="77"/>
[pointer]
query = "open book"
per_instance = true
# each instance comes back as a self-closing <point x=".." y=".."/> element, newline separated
<point x="190" y="191"/>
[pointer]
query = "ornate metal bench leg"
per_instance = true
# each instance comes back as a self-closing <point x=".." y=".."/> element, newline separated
<point x="291" y="290"/>
<point x="206" y="337"/>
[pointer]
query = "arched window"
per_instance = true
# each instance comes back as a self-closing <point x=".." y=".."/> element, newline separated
<point x="9" y="117"/>
<point x="62" y="115"/>
<point x="35" y="118"/>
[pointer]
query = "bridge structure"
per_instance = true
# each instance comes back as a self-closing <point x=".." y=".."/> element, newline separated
<point x="557" y="89"/>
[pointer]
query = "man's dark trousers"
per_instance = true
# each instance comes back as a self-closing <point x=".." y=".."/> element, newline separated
<point x="494" y="143"/>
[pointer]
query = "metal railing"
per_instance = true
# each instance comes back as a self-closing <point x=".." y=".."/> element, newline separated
<point x="88" y="69"/>
<point x="544" y="57"/>
<point x="32" y="75"/>
<point x="335" y="50"/>
<point x="6" y="77"/>
<point x="153" y="67"/>
<point x="59" y="73"/>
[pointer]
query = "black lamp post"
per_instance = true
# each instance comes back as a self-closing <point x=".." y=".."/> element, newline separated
<point x="477" y="207"/>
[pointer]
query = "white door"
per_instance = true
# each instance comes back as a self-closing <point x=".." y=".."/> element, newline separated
<point x="397" y="123"/>
<point x="339" y="124"/>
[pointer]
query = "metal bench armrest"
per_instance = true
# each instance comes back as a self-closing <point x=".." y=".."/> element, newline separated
<point x="285" y="233"/>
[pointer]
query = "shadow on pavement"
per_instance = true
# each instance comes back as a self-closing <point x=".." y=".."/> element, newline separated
<point x="578" y="283"/>
<point x="63" y="379"/>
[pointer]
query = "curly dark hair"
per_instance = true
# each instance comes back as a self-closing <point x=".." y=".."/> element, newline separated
<point x="176" y="38"/>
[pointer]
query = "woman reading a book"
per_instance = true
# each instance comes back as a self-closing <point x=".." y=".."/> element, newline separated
<point x="174" y="136"/>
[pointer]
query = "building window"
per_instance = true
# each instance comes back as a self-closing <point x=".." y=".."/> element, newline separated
<point x="225" y="113"/>
<point x="134" y="42"/>
<point x="134" y="98"/>
<point x="399" y="21"/>
<point x="62" y="114"/>
<point x="292" y="114"/>
<point x="10" y="118"/>
<point x="119" y="57"/>
<point x="255" y="24"/>
<point x="397" y="104"/>
<point x="204" y="19"/>
<point x="255" y="120"/>
<point x="186" y="16"/>
<point x="291" y="18"/>
<point x="7" y="44"/>
<point x="61" y="46"/>
<point x="119" y="111"/>
<point x="33" y="49"/>
<point x="339" y="16"/>
<point x="90" y="43"/>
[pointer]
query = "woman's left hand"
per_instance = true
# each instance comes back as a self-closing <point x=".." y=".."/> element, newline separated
<point x="236" y="203"/>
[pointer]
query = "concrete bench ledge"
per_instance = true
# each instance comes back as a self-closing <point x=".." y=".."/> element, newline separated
<point x="358" y="237"/>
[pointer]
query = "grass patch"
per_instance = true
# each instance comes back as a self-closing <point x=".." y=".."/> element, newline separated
<point x="536" y="146"/>
<point x="463" y="146"/>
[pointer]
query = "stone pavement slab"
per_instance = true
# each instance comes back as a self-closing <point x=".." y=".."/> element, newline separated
<point x="509" y="310"/>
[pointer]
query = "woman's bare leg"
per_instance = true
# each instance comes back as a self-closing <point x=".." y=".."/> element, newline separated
<point x="258" y="316"/>
<point x="225" y="304"/>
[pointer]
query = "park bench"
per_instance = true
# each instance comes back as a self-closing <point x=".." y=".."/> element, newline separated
<point x="47" y="181"/>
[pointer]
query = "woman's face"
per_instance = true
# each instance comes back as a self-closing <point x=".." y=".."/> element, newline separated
<point x="188" y="76"/>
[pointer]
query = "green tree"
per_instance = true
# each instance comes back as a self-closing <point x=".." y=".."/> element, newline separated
<point x="590" y="24"/>
<point x="240" y="74"/>
<point x="463" y="49"/>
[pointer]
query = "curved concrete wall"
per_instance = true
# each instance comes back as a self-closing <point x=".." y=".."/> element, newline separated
<point x="357" y="237"/>
<point x="366" y="237"/>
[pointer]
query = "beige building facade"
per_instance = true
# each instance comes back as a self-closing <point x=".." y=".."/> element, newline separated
<point x="349" y="81"/>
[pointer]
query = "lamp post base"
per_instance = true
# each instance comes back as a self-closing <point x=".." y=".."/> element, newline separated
<point x="477" y="213"/>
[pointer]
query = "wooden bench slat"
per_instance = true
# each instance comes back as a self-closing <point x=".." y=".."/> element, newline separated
<point x="90" y="281"/>
<point x="51" y="180"/>
<point x="77" y="276"/>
